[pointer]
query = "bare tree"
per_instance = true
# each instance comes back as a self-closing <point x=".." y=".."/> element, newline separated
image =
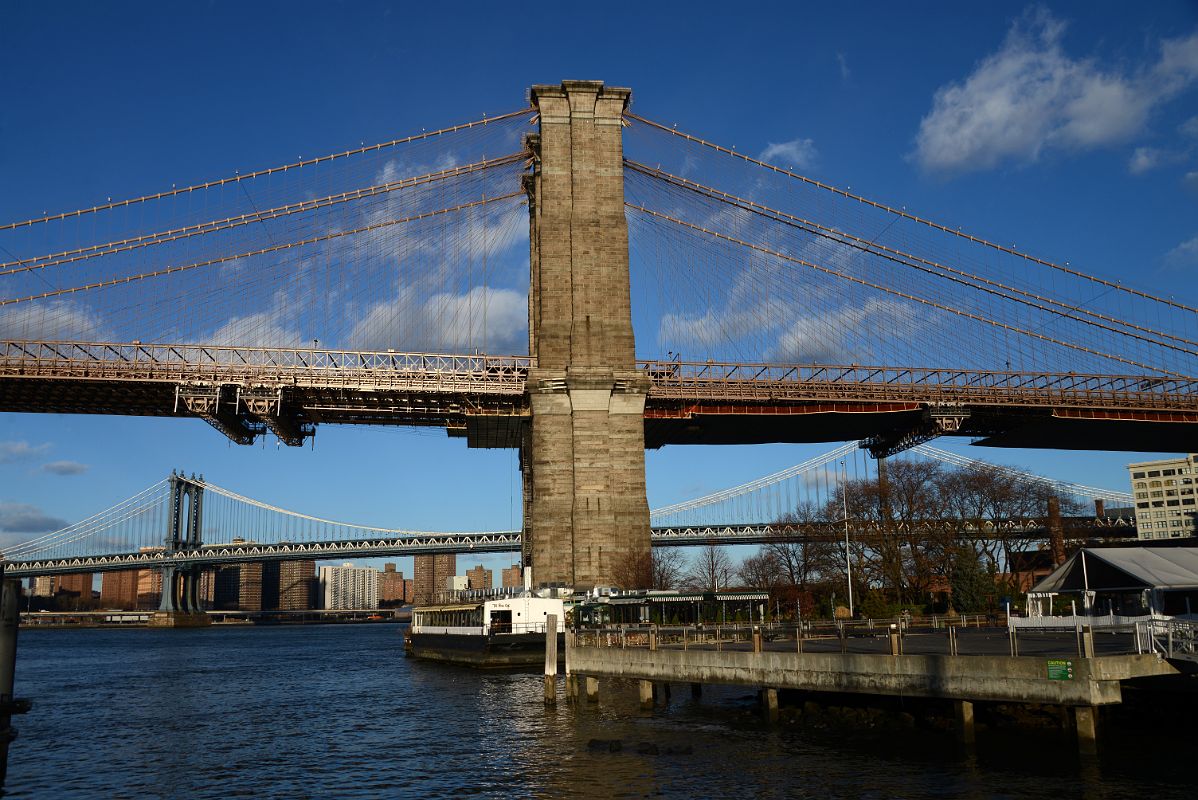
<point x="801" y="558"/>
<point x="760" y="571"/>
<point x="659" y="568"/>
<point x="710" y="571"/>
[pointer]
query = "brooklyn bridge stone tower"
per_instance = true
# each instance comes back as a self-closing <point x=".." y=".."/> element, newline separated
<point x="583" y="453"/>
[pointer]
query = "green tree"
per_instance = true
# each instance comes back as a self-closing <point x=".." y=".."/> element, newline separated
<point x="971" y="584"/>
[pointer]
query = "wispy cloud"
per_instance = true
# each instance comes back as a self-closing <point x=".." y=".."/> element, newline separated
<point x="842" y="62"/>
<point x="1031" y="96"/>
<point x="20" y="451"/>
<point x="54" y="320"/>
<point x="1144" y="159"/>
<point x="1184" y="255"/>
<point x="25" y="518"/>
<point x="65" y="468"/>
<point x="798" y="153"/>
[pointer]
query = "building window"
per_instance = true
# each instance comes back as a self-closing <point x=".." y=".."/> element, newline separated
<point x="1169" y="472"/>
<point x="1137" y="474"/>
<point x="1156" y="473"/>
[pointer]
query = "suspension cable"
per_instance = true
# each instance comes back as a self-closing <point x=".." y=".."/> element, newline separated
<point x="259" y="173"/>
<point x="904" y="295"/>
<point x="899" y="256"/>
<point x="213" y="226"/>
<point x="274" y="248"/>
<point x="906" y="215"/>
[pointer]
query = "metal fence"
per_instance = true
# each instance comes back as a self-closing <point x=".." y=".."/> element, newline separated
<point x="974" y="635"/>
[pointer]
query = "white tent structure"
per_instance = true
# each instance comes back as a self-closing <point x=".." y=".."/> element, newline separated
<point x="1127" y="581"/>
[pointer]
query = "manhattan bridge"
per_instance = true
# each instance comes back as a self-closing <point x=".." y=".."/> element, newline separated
<point x="575" y="281"/>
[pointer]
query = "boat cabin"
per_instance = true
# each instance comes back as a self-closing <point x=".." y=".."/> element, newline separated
<point x="505" y="615"/>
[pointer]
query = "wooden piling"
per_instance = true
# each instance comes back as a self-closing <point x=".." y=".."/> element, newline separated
<point x="551" y="660"/>
<point x="769" y="702"/>
<point x="964" y="710"/>
<point x="1086" y="721"/>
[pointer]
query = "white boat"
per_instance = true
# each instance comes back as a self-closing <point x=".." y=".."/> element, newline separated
<point x="498" y="632"/>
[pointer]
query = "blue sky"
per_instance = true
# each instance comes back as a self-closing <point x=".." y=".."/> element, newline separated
<point x="1070" y="129"/>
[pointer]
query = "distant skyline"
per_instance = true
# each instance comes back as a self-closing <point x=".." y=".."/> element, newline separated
<point x="1069" y="129"/>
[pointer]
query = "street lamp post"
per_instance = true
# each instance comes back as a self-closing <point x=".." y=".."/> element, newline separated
<point x="848" y="565"/>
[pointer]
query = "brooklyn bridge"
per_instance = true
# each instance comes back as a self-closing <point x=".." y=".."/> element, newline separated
<point x="674" y="291"/>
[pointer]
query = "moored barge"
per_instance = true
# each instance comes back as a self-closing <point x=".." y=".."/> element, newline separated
<point x="501" y="632"/>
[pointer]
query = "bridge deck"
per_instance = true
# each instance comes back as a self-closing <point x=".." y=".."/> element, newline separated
<point x="244" y="391"/>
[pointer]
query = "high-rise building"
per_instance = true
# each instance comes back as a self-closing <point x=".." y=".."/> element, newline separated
<point x="512" y="577"/>
<point x="1166" y="496"/>
<point x="297" y="585"/>
<point x="478" y="578"/>
<point x="119" y="589"/>
<point x="349" y="587"/>
<point x="73" y="592"/>
<point x="240" y="587"/>
<point x="149" y="588"/>
<point x="43" y="586"/>
<point x="391" y="587"/>
<point x="429" y="574"/>
<point x="78" y="585"/>
<point x="408" y="591"/>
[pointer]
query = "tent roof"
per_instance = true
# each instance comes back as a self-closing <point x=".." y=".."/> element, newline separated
<point x="1125" y="568"/>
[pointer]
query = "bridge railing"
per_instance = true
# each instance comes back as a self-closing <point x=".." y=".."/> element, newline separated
<point x="1171" y="638"/>
<point x="970" y="635"/>
<point x="298" y="366"/>
<point x="184" y="363"/>
<point x="710" y="380"/>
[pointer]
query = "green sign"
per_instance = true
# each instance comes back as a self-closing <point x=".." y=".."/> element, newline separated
<point x="1060" y="670"/>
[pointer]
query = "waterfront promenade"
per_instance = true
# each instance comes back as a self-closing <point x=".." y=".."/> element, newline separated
<point x="1078" y="671"/>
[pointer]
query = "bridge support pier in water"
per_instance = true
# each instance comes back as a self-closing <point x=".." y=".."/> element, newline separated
<point x="1086" y="720"/>
<point x="10" y="618"/>
<point x="180" y="605"/>
<point x="583" y="454"/>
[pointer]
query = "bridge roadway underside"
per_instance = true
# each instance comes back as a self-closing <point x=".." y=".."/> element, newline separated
<point x="496" y="419"/>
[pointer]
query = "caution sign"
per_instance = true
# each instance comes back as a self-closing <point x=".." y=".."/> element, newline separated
<point x="1060" y="670"/>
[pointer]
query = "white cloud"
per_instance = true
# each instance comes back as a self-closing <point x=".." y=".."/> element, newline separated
<point x="56" y="320"/>
<point x="1191" y="180"/>
<point x="1144" y="159"/>
<point x="807" y="340"/>
<point x="797" y="153"/>
<point x="20" y="451"/>
<point x="24" y="518"/>
<point x="1185" y="254"/>
<point x="1030" y="96"/>
<point x="845" y="72"/>
<point x="447" y="322"/>
<point x="1190" y="127"/>
<point x="263" y="329"/>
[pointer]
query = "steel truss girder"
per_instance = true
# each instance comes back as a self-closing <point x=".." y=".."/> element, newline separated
<point x="510" y="541"/>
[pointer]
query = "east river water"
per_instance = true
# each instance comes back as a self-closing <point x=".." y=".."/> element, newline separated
<point x="332" y="711"/>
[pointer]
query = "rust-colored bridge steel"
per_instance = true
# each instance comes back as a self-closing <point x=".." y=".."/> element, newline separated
<point x="244" y="392"/>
